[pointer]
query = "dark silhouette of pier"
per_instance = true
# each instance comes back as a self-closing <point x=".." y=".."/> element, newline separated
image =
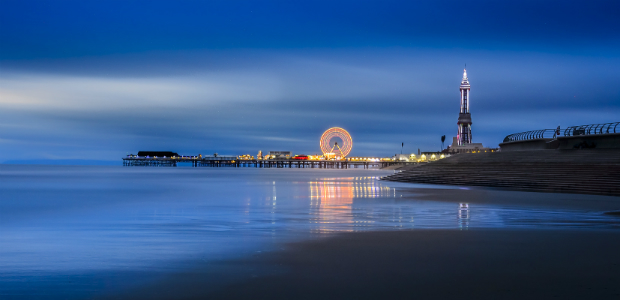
<point x="219" y="162"/>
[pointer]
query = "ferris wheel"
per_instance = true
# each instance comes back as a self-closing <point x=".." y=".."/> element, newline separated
<point x="336" y="150"/>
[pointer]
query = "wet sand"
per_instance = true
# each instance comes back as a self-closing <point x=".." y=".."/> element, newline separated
<point x="418" y="264"/>
<point x="496" y="196"/>
<point x="547" y="263"/>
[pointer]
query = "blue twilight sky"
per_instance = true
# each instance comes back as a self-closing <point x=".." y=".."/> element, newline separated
<point x="101" y="79"/>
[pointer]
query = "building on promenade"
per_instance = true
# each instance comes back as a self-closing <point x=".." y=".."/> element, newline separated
<point x="462" y="142"/>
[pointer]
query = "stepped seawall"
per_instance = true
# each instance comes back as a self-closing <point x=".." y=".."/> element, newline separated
<point x="580" y="171"/>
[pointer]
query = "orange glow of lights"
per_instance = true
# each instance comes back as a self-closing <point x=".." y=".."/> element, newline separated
<point x="333" y="132"/>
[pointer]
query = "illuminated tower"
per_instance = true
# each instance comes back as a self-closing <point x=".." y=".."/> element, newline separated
<point x="464" y="123"/>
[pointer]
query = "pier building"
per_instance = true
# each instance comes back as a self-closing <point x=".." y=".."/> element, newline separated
<point x="280" y="154"/>
<point x="157" y="154"/>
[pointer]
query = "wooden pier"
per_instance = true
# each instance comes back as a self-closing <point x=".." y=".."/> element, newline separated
<point x="233" y="162"/>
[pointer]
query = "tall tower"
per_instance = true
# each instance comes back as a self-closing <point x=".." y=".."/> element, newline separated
<point x="464" y="123"/>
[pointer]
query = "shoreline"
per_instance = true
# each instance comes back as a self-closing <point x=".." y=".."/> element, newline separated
<point x="421" y="264"/>
<point x="499" y="196"/>
<point x="563" y="262"/>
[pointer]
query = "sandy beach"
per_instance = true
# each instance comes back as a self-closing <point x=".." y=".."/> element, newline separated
<point x="562" y="263"/>
<point x="419" y="264"/>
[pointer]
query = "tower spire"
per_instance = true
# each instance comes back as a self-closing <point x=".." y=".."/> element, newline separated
<point x="465" y="73"/>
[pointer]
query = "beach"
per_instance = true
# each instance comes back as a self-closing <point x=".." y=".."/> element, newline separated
<point x="95" y="232"/>
<point x="439" y="264"/>
<point x="575" y="262"/>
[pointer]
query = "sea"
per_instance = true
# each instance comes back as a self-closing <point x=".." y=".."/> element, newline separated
<point x="81" y="232"/>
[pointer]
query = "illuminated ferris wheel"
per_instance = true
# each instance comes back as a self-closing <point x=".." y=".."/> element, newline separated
<point x="336" y="150"/>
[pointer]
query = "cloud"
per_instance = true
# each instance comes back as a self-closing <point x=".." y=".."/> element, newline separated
<point x="275" y="138"/>
<point x="285" y="99"/>
<point x="44" y="92"/>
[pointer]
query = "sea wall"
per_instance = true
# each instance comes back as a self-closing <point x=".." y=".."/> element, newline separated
<point x="535" y="144"/>
<point x="597" y="141"/>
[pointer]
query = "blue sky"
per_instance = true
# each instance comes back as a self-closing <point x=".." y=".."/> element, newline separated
<point x="98" y="80"/>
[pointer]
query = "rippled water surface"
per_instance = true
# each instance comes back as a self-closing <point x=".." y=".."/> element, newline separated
<point x="75" y="232"/>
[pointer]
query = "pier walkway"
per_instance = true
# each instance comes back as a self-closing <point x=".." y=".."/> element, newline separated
<point x="239" y="163"/>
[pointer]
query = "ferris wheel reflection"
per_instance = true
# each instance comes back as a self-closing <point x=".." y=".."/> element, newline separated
<point x="332" y="203"/>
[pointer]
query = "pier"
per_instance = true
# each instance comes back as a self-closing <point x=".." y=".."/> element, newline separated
<point x="218" y="162"/>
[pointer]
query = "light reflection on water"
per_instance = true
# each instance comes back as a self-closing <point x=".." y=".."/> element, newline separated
<point x="331" y="202"/>
<point x="67" y="220"/>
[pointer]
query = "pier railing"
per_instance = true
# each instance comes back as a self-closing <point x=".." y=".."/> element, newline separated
<point x="604" y="128"/>
<point x="530" y="135"/>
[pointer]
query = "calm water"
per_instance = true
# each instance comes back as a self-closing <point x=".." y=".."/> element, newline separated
<point x="77" y="232"/>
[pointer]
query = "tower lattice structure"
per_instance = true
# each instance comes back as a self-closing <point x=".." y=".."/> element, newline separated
<point x="464" y="123"/>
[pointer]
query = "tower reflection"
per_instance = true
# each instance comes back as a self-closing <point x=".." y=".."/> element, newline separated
<point x="463" y="215"/>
